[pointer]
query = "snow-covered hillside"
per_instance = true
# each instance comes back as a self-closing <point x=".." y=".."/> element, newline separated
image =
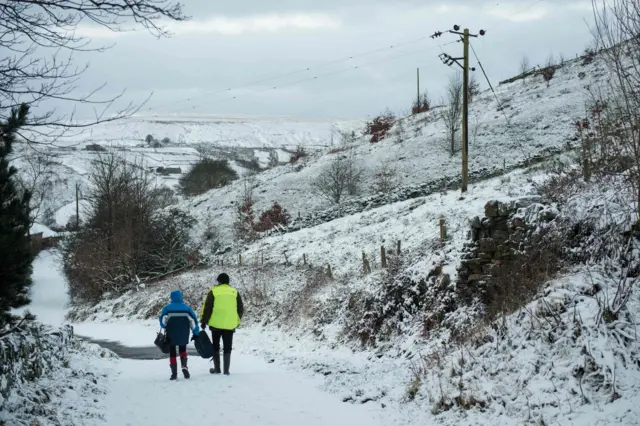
<point x="446" y="333"/>
<point x="531" y="120"/>
<point x="554" y="361"/>
<point x="238" y="139"/>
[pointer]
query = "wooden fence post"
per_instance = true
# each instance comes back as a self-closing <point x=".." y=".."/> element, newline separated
<point x="304" y="258"/>
<point x="398" y="250"/>
<point x="329" y="273"/>
<point x="365" y="264"/>
<point x="586" y="162"/>
<point x="443" y="230"/>
<point x="240" y="259"/>
<point x="261" y="258"/>
<point x="383" y="257"/>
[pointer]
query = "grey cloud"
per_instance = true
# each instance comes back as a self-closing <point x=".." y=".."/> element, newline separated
<point x="201" y="8"/>
<point x="205" y="65"/>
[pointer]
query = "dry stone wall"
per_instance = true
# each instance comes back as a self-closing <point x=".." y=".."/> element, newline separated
<point x="499" y="240"/>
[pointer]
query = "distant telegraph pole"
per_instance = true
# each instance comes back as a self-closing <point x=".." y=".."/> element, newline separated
<point x="448" y="60"/>
<point x="418" y="81"/>
<point x="77" y="206"/>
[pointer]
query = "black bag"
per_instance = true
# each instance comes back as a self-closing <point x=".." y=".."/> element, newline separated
<point x="162" y="342"/>
<point x="203" y="345"/>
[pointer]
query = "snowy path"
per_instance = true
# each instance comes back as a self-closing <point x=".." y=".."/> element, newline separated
<point x="256" y="393"/>
<point x="49" y="291"/>
<point x="139" y="392"/>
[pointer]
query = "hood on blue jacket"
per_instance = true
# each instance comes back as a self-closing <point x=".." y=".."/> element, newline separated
<point x="176" y="296"/>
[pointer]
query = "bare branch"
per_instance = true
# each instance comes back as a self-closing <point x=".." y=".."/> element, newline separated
<point x="40" y="37"/>
<point x="452" y="113"/>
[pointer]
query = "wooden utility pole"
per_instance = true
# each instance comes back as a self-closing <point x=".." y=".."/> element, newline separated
<point x="418" y="85"/>
<point x="465" y="112"/>
<point x="448" y="60"/>
<point x="77" y="206"/>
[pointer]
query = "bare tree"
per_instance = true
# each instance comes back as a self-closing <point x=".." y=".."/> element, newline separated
<point x="124" y="237"/>
<point x="399" y="132"/>
<point x="474" y="88"/>
<point x="342" y="176"/>
<point x="35" y="177"/>
<point x="38" y="39"/>
<point x="475" y="128"/>
<point x="347" y="138"/>
<point x="617" y="39"/>
<point x="164" y="197"/>
<point x="524" y="67"/>
<point x="385" y="179"/>
<point x="549" y="69"/>
<point x="451" y="114"/>
<point x="244" y="225"/>
<point x="354" y="173"/>
<point x="274" y="159"/>
<point x="421" y="105"/>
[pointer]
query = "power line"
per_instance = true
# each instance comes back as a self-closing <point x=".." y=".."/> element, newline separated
<point x="291" y="73"/>
<point x="308" y="69"/>
<point x="528" y="7"/>
<point x="500" y="107"/>
<point x="308" y="79"/>
<point x="488" y="81"/>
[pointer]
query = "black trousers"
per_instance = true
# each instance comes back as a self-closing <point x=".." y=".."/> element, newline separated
<point x="227" y="339"/>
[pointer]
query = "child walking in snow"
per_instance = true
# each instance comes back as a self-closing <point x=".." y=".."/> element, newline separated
<point x="178" y="318"/>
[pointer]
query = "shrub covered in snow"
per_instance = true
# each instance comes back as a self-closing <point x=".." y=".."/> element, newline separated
<point x="207" y="174"/>
<point x="42" y="380"/>
<point x="298" y="154"/>
<point x="276" y="215"/>
<point x="380" y="126"/>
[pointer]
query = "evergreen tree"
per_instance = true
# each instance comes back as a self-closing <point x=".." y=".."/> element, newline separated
<point x="16" y="254"/>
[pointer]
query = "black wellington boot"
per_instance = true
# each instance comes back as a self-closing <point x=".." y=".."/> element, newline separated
<point x="216" y="363"/>
<point x="185" y="369"/>
<point x="227" y="361"/>
<point x="174" y="372"/>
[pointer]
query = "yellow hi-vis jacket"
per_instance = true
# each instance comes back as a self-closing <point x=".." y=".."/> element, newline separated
<point x="224" y="315"/>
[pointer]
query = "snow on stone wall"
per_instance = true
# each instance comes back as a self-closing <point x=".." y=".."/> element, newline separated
<point x="45" y="379"/>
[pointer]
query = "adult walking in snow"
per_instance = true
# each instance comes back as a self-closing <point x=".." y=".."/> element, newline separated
<point x="222" y="310"/>
<point x="178" y="318"/>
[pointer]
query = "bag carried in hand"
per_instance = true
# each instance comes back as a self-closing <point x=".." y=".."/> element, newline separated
<point x="203" y="345"/>
<point x="162" y="342"/>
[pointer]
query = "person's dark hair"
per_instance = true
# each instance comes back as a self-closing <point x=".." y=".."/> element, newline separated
<point x="223" y="278"/>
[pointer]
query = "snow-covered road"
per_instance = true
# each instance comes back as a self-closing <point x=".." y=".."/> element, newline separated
<point x="139" y="392"/>
<point x="256" y="393"/>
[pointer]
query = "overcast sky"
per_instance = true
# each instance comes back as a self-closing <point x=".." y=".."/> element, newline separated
<point x="234" y="44"/>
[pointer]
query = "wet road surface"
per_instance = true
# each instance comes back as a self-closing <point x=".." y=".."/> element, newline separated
<point x="128" y="352"/>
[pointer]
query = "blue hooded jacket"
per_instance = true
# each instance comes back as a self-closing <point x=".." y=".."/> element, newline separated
<point x="178" y="318"/>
